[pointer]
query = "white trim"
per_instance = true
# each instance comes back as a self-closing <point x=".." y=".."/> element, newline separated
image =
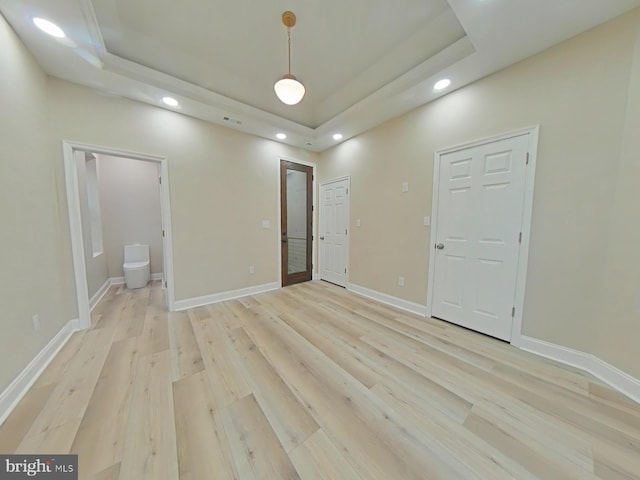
<point x="224" y="296"/>
<point x="525" y="227"/>
<point x="75" y="222"/>
<point x="314" y="229"/>
<point x="12" y="395"/>
<point x="614" y="377"/>
<point x="348" y="245"/>
<point x="388" y="299"/>
<point x="99" y="294"/>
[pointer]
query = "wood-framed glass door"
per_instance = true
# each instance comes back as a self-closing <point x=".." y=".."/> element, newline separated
<point x="296" y="221"/>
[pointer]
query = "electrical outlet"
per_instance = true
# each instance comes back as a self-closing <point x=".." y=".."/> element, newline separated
<point x="358" y="223"/>
<point x="36" y="322"/>
<point x="401" y="281"/>
<point x="266" y="224"/>
<point x="427" y="221"/>
<point x="252" y="270"/>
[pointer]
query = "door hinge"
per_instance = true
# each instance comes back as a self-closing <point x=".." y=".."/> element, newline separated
<point x="513" y="312"/>
<point x="520" y="238"/>
<point x="347" y="191"/>
<point x="160" y="180"/>
<point x="162" y="233"/>
<point x="345" y="270"/>
<point x="165" y="284"/>
<point x="345" y="231"/>
<point x="527" y="163"/>
<point x="312" y="237"/>
<point x="313" y="177"/>
<point x="312" y="208"/>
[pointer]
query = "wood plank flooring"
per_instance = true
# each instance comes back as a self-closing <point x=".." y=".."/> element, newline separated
<point x="312" y="382"/>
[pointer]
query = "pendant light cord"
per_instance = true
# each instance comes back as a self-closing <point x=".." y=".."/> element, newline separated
<point x="289" y="36"/>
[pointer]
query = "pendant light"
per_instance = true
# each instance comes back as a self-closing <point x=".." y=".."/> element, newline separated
<point x="288" y="89"/>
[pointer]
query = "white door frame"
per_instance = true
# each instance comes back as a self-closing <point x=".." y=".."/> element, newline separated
<point x="314" y="230"/>
<point x="75" y="222"/>
<point x="327" y="182"/>
<point x="523" y="255"/>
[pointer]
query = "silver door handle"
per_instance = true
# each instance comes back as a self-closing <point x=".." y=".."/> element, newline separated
<point x="321" y="238"/>
<point x="440" y="246"/>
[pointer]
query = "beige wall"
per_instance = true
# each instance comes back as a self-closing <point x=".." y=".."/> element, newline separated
<point x="130" y="203"/>
<point x="578" y="93"/>
<point x="222" y="184"/>
<point x="95" y="267"/>
<point x="35" y="254"/>
<point x="617" y="334"/>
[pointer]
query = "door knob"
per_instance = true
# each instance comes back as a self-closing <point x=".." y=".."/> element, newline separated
<point x="321" y="238"/>
<point x="440" y="246"/>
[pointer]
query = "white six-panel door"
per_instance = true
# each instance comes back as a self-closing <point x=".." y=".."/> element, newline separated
<point x="478" y="235"/>
<point x="334" y="231"/>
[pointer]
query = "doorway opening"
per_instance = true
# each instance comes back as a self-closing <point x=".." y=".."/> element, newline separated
<point x="74" y="155"/>
<point x="296" y="222"/>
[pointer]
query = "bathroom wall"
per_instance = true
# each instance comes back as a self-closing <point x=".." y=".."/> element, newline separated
<point x="130" y="203"/>
<point x="95" y="266"/>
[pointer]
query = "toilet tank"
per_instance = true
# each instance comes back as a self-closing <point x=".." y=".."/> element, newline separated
<point x="136" y="253"/>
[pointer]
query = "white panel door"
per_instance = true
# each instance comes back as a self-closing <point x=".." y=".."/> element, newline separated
<point x="479" y="220"/>
<point x="334" y="231"/>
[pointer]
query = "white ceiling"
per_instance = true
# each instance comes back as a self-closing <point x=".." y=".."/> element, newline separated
<point x="362" y="61"/>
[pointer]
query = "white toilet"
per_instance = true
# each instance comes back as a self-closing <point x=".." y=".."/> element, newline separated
<point x="136" y="265"/>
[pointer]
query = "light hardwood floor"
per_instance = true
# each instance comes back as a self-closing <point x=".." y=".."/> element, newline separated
<point x="313" y="382"/>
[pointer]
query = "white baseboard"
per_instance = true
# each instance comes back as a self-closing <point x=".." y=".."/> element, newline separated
<point x="612" y="376"/>
<point x="223" y="296"/>
<point x="19" y="387"/>
<point x="93" y="301"/>
<point x="315" y="276"/>
<point x="120" y="280"/>
<point x="389" y="299"/>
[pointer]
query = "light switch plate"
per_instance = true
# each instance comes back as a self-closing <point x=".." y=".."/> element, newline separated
<point x="358" y="223"/>
<point x="266" y="224"/>
<point x="427" y="221"/>
<point x="405" y="187"/>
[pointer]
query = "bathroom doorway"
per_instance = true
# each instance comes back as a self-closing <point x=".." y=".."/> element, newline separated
<point x="84" y="249"/>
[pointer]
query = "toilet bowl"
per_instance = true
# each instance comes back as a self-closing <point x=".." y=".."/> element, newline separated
<point x="136" y="265"/>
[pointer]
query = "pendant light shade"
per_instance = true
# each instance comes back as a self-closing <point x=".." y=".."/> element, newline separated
<point x="289" y="89"/>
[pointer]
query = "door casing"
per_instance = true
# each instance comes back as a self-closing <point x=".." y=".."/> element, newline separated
<point x="75" y="222"/>
<point x="523" y="257"/>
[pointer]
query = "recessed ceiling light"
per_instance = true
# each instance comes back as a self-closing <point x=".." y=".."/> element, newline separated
<point x="281" y="136"/>
<point x="49" y="27"/>
<point x="337" y="136"/>
<point x="172" y="102"/>
<point x="442" y="84"/>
